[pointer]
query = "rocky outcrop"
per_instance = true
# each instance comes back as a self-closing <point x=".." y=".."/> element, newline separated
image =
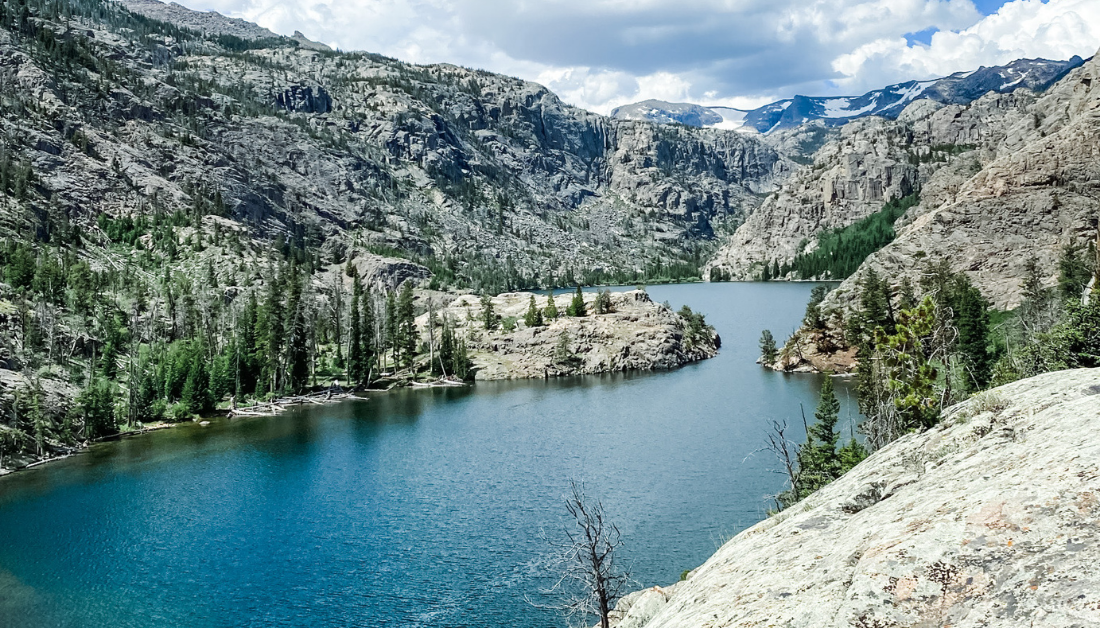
<point x="384" y="273"/>
<point x="817" y="351"/>
<point x="637" y="334"/>
<point x="987" y="520"/>
<point x="310" y="145"/>
<point x="209" y="22"/>
<point x="929" y="149"/>
<point x="850" y="179"/>
<point x="1038" y="193"/>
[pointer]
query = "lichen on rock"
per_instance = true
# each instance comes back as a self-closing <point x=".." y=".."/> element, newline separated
<point x="988" y="519"/>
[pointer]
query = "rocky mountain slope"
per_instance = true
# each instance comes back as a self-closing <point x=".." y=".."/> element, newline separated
<point x="479" y="172"/>
<point x="637" y="334"/>
<point x="944" y="152"/>
<point x="958" y="89"/>
<point x="986" y="520"/>
<point x="1034" y="190"/>
<point x="1038" y="193"/>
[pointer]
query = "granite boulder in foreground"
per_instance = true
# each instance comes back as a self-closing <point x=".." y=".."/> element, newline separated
<point x="990" y="519"/>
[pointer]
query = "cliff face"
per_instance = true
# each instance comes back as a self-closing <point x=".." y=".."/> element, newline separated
<point x="341" y="149"/>
<point x="1038" y="192"/>
<point x="871" y="161"/>
<point x="1041" y="192"/>
<point x="637" y="334"/>
<point x="851" y="177"/>
<point x="987" y="520"/>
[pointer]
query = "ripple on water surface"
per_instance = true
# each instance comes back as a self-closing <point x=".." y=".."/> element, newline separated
<point x="416" y="508"/>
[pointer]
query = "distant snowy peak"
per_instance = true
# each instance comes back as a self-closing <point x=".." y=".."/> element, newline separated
<point x="888" y="102"/>
<point x="672" y="113"/>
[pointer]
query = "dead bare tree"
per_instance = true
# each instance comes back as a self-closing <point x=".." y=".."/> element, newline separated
<point x="786" y="452"/>
<point x="591" y="579"/>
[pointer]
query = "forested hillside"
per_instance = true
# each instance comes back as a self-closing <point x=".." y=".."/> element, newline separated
<point x="199" y="210"/>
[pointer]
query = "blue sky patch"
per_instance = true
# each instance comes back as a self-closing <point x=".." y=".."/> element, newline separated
<point x="923" y="37"/>
<point x="989" y="7"/>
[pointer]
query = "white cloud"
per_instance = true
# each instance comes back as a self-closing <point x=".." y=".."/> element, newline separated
<point x="1057" y="29"/>
<point x="602" y="53"/>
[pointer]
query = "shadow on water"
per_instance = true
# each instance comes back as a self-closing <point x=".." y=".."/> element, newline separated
<point x="414" y="508"/>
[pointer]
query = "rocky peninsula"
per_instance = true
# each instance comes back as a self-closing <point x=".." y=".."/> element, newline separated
<point x="989" y="519"/>
<point x="636" y="334"/>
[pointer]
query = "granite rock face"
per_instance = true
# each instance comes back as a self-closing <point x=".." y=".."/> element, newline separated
<point x="1029" y="187"/>
<point x="637" y="335"/>
<point x="208" y="22"/>
<point x="868" y="162"/>
<point x="1037" y="193"/>
<point x="851" y="177"/>
<point x="311" y="145"/>
<point x="989" y="520"/>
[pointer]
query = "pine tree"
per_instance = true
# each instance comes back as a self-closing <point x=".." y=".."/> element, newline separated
<point x="603" y="302"/>
<point x="576" y="306"/>
<point x="1037" y="312"/>
<point x="533" y="317"/>
<point x="813" y="318"/>
<point x="819" y="462"/>
<point x="355" y="336"/>
<point x="851" y="454"/>
<point x="874" y="299"/>
<point x="768" y="351"/>
<point x="551" y="310"/>
<point x="390" y="327"/>
<point x="245" y="348"/>
<point x="367" y="340"/>
<point x="96" y="405"/>
<point x="298" y="362"/>
<point x="488" y="315"/>
<point x="406" y="326"/>
<point x="907" y="297"/>
<point x="971" y="313"/>
<point x="196" y="389"/>
<point x="911" y="378"/>
<point x="272" y="317"/>
<point x="444" y="362"/>
<point x="461" y="364"/>
<point x="1075" y="270"/>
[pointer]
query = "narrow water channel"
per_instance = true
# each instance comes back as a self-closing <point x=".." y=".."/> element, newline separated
<point x="415" y="508"/>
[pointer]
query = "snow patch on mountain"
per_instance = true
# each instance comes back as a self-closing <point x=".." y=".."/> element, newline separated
<point x="732" y="119"/>
<point x="842" y="108"/>
<point x="888" y="102"/>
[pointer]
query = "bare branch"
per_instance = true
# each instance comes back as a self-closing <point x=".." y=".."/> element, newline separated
<point x="591" y="579"/>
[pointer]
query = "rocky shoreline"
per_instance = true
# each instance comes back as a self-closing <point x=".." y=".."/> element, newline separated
<point x="984" y="520"/>
<point x="23" y="462"/>
<point x="637" y="334"/>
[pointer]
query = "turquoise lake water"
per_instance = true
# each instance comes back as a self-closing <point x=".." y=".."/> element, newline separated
<point x="415" y="508"/>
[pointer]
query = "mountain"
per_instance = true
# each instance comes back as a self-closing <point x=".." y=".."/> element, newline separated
<point x="151" y="105"/>
<point x="1026" y="194"/>
<point x="1004" y="182"/>
<point x="888" y="102"/>
<point x="195" y="211"/>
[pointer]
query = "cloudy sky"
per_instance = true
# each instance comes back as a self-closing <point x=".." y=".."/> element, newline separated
<point x="599" y="54"/>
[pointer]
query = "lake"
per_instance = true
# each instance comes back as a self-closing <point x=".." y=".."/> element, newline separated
<point x="416" y="508"/>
